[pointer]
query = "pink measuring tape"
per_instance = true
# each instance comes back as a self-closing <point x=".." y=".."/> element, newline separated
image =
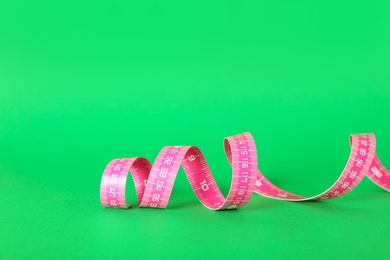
<point x="154" y="183"/>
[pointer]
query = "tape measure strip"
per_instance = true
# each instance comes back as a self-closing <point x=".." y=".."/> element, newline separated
<point x="154" y="183"/>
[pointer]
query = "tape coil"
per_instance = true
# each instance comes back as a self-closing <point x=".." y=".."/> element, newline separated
<point x="154" y="183"/>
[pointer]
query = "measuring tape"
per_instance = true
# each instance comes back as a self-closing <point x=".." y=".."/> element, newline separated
<point x="154" y="183"/>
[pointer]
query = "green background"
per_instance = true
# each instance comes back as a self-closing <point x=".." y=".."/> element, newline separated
<point x="83" y="82"/>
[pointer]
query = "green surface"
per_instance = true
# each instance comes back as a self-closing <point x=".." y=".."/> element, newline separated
<point x="83" y="82"/>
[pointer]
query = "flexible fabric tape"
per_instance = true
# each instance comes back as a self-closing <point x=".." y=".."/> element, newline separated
<point x="154" y="183"/>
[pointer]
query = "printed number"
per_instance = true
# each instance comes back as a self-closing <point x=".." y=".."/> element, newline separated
<point x="173" y="150"/>
<point x="353" y="174"/>
<point x="156" y="197"/>
<point x="191" y="158"/>
<point x="118" y="167"/>
<point x="204" y="186"/>
<point x="359" y="163"/>
<point x="159" y="185"/>
<point x="244" y="165"/>
<point x="113" y="178"/>
<point x="345" y="185"/>
<point x="335" y="193"/>
<point x="163" y="172"/>
<point x="113" y="192"/>
<point x="168" y="160"/>
<point x="376" y="172"/>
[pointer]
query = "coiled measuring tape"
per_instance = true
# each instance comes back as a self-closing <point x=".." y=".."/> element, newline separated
<point x="154" y="183"/>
